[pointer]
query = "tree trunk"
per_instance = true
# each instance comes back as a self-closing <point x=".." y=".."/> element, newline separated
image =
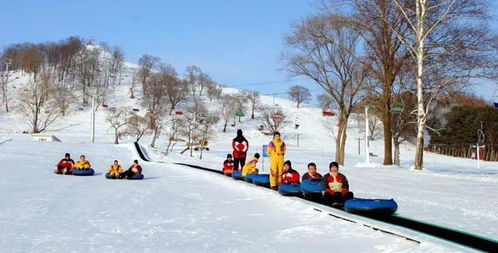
<point x="225" y="127"/>
<point x="396" y="153"/>
<point x="386" y="122"/>
<point x="116" y="137"/>
<point x="421" y="117"/>
<point x="341" y="139"/>
<point x="169" y="145"/>
<point x="156" y="134"/>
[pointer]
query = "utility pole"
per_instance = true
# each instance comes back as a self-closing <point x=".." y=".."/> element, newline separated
<point x="367" y="148"/>
<point x="4" y="84"/>
<point x="358" y="139"/>
<point x="93" y="120"/>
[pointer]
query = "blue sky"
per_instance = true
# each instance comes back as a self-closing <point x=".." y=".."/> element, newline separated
<point x="236" y="42"/>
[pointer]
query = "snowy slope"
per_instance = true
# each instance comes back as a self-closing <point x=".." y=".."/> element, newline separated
<point x="173" y="209"/>
<point x="196" y="212"/>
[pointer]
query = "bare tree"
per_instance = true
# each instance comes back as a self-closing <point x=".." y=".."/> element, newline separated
<point x="191" y="129"/>
<point x="138" y="126"/>
<point x="299" y="94"/>
<point x="240" y="101"/>
<point x="37" y="102"/>
<point x="206" y="130"/>
<point x="213" y="91"/>
<point x="154" y="99"/>
<point x="87" y="73"/>
<point x="134" y="78"/>
<point x="253" y="97"/>
<point x="227" y="109"/>
<point x="174" y="131"/>
<point x="272" y="120"/>
<point x="192" y="76"/>
<point x="386" y="56"/>
<point x="176" y="90"/>
<point x="325" y="101"/>
<point x="147" y="63"/>
<point x="118" y="120"/>
<point x="449" y="45"/>
<point x="324" y="48"/>
<point x="64" y="98"/>
<point x="31" y="59"/>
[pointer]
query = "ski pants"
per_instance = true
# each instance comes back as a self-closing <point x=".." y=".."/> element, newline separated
<point x="276" y="167"/>
<point x="237" y="161"/>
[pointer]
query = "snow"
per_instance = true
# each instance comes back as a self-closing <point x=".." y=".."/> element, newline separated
<point x="177" y="208"/>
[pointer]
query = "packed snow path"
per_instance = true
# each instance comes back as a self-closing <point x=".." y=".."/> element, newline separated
<point x="173" y="209"/>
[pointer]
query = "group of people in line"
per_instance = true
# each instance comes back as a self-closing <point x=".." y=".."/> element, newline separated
<point x="67" y="165"/>
<point x="335" y="184"/>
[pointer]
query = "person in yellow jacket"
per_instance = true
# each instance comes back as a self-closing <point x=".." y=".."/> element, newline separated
<point x="82" y="164"/>
<point x="276" y="150"/>
<point x="250" y="166"/>
<point x="115" y="170"/>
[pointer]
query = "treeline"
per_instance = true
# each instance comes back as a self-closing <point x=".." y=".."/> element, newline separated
<point x="460" y="130"/>
<point x="61" y="74"/>
<point x="399" y="58"/>
<point x="74" y="71"/>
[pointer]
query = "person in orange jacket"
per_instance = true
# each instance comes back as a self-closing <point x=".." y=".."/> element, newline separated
<point x="228" y="165"/>
<point x="289" y="175"/>
<point x="276" y="150"/>
<point x="115" y="170"/>
<point x="82" y="164"/>
<point x="135" y="169"/>
<point x="250" y="166"/>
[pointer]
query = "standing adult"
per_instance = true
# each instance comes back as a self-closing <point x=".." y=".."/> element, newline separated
<point x="240" y="146"/>
<point x="276" y="150"/>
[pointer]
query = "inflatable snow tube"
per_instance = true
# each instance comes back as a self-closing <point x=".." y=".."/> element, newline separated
<point x="108" y="176"/>
<point x="237" y="175"/>
<point x="249" y="178"/>
<point x="261" y="179"/>
<point x="136" y="177"/>
<point x="88" y="172"/>
<point x="312" y="186"/>
<point x="289" y="189"/>
<point x="373" y="207"/>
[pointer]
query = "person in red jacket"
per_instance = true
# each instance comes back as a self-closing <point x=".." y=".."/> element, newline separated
<point x="240" y="146"/>
<point x="65" y="166"/>
<point x="289" y="175"/>
<point x="228" y="165"/>
<point x="336" y="186"/>
<point x="312" y="174"/>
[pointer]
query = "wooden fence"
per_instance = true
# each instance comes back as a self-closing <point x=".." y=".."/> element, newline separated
<point x="488" y="153"/>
